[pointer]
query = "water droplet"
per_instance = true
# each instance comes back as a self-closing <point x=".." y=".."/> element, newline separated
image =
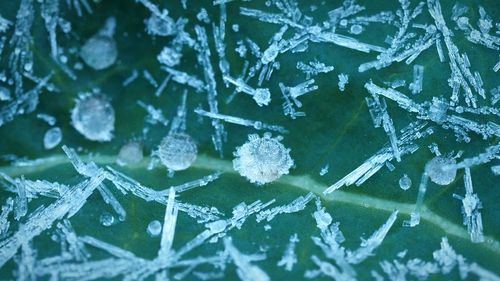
<point x="52" y="138"/>
<point x="154" y="228"/>
<point x="107" y="219"/>
<point x="405" y="182"/>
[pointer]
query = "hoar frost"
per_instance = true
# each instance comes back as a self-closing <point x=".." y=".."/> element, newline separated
<point x="177" y="151"/>
<point x="262" y="160"/>
<point x="94" y="117"/>
<point x="437" y="174"/>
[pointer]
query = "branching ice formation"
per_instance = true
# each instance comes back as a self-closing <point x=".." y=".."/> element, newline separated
<point x="470" y="210"/>
<point x="262" y="159"/>
<point x="377" y="161"/>
<point x="258" y="125"/>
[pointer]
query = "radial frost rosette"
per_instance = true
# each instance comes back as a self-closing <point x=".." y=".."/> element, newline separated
<point x="262" y="160"/>
<point x="437" y="174"/>
<point x="177" y="151"/>
<point x="94" y="117"/>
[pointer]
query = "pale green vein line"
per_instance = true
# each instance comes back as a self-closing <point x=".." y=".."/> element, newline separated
<point x="303" y="182"/>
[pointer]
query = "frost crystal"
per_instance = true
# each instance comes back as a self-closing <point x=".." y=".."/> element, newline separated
<point x="246" y="271"/>
<point x="177" y="151"/>
<point x="343" y="80"/>
<point x="262" y="160"/>
<point x="435" y="169"/>
<point x="130" y="154"/>
<point x="94" y="117"/>
<point x="470" y="210"/>
<point x="169" y="57"/>
<point x="289" y="258"/>
<point x="418" y="76"/>
<point x="262" y="96"/>
<point x="258" y="125"/>
<point x="100" y="51"/>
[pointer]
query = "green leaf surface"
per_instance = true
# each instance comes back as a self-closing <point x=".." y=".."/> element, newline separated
<point x="337" y="131"/>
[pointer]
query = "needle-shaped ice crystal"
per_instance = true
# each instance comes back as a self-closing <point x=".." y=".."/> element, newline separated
<point x="262" y="96"/>
<point x="262" y="160"/>
<point x="246" y="271"/>
<point x="258" y="125"/>
<point x="373" y="242"/>
<point x="418" y="76"/>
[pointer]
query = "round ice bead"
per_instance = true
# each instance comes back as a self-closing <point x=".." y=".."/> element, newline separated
<point x="177" y="151"/>
<point x="99" y="52"/>
<point x="130" y="154"/>
<point x="94" y="117"/>
<point x="52" y="138"/>
<point x="154" y="228"/>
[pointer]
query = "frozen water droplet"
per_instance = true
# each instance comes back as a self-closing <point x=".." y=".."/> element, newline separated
<point x="130" y="154"/>
<point x="177" y="151"/>
<point x="99" y="52"/>
<point x="107" y="219"/>
<point x="52" y="138"/>
<point x="437" y="174"/>
<point x="356" y="29"/>
<point x="405" y="182"/>
<point x="154" y="228"/>
<point x="262" y="160"/>
<point x="94" y="117"/>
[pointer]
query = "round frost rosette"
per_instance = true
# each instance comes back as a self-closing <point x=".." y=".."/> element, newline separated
<point x="262" y="160"/>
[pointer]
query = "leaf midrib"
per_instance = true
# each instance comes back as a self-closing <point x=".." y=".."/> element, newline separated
<point x="303" y="182"/>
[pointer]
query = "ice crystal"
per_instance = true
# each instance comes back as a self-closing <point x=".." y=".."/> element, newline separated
<point x="94" y="117"/>
<point x="262" y="160"/>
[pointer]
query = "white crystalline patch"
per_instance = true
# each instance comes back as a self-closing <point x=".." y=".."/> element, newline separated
<point x="169" y="57"/>
<point x="94" y="117"/>
<point x="262" y="96"/>
<point x="154" y="228"/>
<point x="437" y="174"/>
<point x="262" y="160"/>
<point x="156" y="25"/>
<point x="177" y="151"/>
<point x="99" y="52"/>
<point x="130" y="154"/>
<point x="52" y="138"/>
